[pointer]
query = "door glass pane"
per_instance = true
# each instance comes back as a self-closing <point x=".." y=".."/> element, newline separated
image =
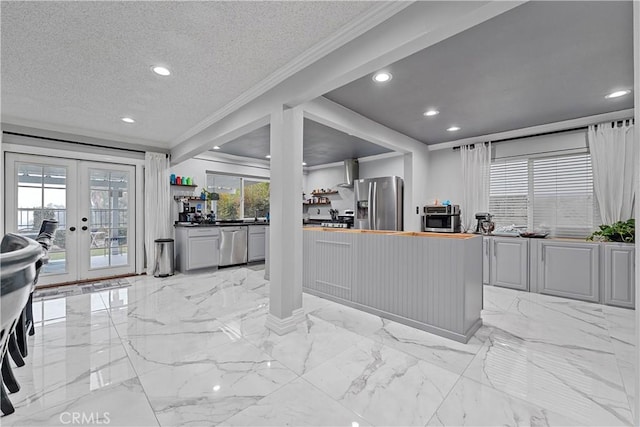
<point x="42" y="194"/>
<point x="108" y="218"/>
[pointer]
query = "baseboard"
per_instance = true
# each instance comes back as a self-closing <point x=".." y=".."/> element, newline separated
<point x="286" y="325"/>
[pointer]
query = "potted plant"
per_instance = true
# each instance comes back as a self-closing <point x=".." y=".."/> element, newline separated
<point x="208" y="195"/>
<point x="621" y="231"/>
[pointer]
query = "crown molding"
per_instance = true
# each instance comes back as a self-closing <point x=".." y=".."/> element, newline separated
<point x="104" y="139"/>
<point x="534" y="130"/>
<point x="233" y="159"/>
<point x="359" y="26"/>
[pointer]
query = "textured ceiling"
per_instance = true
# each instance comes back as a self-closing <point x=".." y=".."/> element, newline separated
<point x="81" y="66"/>
<point x="322" y="145"/>
<point x="539" y="63"/>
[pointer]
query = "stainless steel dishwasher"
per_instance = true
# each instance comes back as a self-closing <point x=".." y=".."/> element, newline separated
<point x="233" y="245"/>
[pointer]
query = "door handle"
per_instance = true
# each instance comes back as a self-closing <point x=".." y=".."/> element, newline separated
<point x="495" y="248"/>
<point x="486" y="248"/>
<point x="84" y="219"/>
<point x="72" y="229"/>
<point x="85" y="228"/>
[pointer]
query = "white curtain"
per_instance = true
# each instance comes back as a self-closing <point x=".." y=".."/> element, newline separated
<point x="614" y="170"/>
<point x="157" y="204"/>
<point x="476" y="164"/>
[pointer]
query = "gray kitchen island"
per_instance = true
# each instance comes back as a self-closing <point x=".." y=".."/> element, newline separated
<point x="430" y="281"/>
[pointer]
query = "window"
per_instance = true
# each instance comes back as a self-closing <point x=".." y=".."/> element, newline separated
<point x="240" y="197"/>
<point x="550" y="193"/>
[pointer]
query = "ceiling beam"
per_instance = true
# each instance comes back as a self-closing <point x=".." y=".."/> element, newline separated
<point x="334" y="115"/>
<point x="416" y="27"/>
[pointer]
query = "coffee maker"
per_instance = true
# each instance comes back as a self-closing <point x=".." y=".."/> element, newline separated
<point x="485" y="225"/>
<point x="184" y="216"/>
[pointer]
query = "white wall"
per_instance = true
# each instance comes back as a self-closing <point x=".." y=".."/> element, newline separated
<point x="327" y="179"/>
<point x="197" y="168"/>
<point x="330" y="177"/>
<point x="444" y="176"/>
<point x="390" y="166"/>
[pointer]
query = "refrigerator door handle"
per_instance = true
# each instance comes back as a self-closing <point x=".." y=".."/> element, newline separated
<point x="370" y="207"/>
<point x="373" y="202"/>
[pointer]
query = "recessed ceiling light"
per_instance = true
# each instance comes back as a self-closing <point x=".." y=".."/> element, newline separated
<point x="128" y="120"/>
<point x="453" y="128"/>
<point x="382" y="77"/>
<point x="268" y="156"/>
<point x="161" y="71"/>
<point x="618" y="93"/>
<point x="215" y="147"/>
<point x="429" y="113"/>
<point x="304" y="163"/>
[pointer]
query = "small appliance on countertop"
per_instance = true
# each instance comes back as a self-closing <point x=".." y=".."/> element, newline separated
<point x="339" y="221"/>
<point x="441" y="218"/>
<point x="484" y="225"/>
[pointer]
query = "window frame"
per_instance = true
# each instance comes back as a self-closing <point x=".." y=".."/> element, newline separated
<point x="530" y="196"/>
<point x="243" y="179"/>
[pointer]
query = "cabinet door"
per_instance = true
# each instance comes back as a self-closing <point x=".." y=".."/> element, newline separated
<point x="486" y="260"/>
<point x="203" y="252"/>
<point x="619" y="275"/>
<point x="509" y="263"/>
<point x="256" y="247"/>
<point x="568" y="269"/>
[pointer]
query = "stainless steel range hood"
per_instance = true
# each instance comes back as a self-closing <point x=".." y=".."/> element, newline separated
<point x="351" y="170"/>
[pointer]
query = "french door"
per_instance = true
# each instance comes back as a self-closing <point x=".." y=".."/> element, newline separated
<point x="94" y="204"/>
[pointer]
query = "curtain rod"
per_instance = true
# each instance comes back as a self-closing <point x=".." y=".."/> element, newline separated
<point x="617" y="122"/>
<point x="46" y="138"/>
<point x="528" y="136"/>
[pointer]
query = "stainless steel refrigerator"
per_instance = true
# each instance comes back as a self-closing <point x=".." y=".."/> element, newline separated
<point x="379" y="203"/>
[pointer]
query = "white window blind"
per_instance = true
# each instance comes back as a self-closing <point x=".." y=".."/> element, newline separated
<point x="563" y="197"/>
<point x="552" y="194"/>
<point x="509" y="192"/>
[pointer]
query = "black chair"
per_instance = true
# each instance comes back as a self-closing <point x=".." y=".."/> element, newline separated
<point x="18" y="257"/>
<point x="18" y="341"/>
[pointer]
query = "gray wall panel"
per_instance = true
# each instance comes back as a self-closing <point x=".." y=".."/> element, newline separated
<point x="429" y="281"/>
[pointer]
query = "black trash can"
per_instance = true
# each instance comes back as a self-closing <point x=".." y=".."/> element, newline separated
<point x="164" y="265"/>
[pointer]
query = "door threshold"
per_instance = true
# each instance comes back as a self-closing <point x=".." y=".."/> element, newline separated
<point x="85" y="281"/>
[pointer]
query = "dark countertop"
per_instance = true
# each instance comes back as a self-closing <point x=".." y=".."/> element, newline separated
<point x="221" y="224"/>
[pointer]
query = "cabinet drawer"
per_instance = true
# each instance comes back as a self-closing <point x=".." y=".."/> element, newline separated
<point x="203" y="232"/>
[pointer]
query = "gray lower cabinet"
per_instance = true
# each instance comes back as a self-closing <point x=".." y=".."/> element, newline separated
<point x="197" y="248"/>
<point x="509" y="263"/>
<point x="619" y="274"/>
<point x="256" y="243"/>
<point x="569" y="269"/>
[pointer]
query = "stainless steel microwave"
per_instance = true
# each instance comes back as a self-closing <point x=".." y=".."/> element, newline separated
<point x="441" y="219"/>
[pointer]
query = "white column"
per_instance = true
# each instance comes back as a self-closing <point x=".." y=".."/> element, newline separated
<point x="415" y="186"/>
<point x="285" y="243"/>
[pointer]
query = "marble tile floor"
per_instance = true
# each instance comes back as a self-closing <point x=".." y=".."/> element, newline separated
<point x="193" y="351"/>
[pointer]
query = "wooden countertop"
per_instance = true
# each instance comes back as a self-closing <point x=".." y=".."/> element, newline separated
<point x="395" y="233"/>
